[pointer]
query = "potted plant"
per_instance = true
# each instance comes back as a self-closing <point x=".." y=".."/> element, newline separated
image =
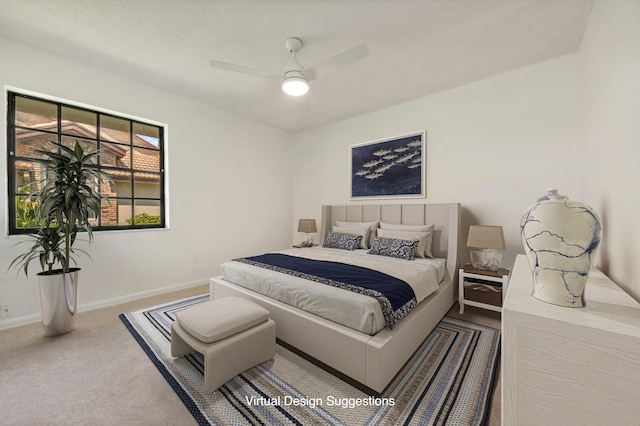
<point x="67" y="197"/>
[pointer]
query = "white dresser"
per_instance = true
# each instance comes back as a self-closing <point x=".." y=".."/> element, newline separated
<point x="570" y="366"/>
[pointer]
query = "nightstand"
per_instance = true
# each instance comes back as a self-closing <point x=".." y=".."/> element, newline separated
<point x="482" y="289"/>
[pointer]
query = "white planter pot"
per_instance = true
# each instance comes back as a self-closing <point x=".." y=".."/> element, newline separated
<point x="560" y="238"/>
<point x="58" y="301"/>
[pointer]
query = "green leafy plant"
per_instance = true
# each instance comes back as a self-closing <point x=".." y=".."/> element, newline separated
<point x="25" y="212"/>
<point x="145" y="219"/>
<point x="67" y="199"/>
<point x="45" y="248"/>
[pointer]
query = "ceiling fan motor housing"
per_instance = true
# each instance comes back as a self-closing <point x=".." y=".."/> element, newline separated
<point x="294" y="82"/>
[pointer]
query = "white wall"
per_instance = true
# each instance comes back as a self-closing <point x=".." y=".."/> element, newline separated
<point x="230" y="186"/>
<point x="493" y="146"/>
<point x="610" y="140"/>
<point x="572" y="123"/>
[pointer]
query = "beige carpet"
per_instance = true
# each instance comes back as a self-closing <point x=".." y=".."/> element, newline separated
<point x="98" y="374"/>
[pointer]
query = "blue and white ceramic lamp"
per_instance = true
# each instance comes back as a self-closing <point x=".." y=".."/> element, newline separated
<point x="560" y="238"/>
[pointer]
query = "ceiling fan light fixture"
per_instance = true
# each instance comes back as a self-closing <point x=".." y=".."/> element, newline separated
<point x="294" y="84"/>
<point x="295" y="78"/>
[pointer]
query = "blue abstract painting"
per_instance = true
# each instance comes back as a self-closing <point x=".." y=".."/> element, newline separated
<point x="389" y="168"/>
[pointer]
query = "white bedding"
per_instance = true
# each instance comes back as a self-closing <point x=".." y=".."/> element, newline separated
<point x="353" y="310"/>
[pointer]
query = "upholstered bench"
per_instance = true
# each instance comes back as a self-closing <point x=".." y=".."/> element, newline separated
<point x="232" y="334"/>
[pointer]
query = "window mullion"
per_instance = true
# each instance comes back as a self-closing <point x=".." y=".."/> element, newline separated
<point x="30" y="125"/>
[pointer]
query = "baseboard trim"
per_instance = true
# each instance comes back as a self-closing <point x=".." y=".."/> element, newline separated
<point x="129" y="297"/>
<point x="29" y="319"/>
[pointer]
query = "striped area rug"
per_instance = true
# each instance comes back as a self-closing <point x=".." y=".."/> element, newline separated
<point x="448" y="381"/>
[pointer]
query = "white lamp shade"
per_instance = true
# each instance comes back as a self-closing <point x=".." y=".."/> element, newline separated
<point x="294" y="84"/>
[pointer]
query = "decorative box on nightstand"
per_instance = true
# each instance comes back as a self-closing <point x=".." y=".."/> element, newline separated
<point x="482" y="289"/>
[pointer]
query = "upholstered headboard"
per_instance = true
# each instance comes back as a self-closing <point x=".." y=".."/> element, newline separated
<point x="445" y="217"/>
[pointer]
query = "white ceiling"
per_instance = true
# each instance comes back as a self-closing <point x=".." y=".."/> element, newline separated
<point x="416" y="47"/>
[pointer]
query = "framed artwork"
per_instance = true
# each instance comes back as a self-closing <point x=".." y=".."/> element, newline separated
<point x="389" y="168"/>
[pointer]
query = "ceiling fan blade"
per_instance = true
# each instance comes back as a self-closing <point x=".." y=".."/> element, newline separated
<point x="341" y="59"/>
<point x="242" y="69"/>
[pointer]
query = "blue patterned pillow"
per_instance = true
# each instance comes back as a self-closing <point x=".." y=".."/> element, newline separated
<point x="402" y="249"/>
<point x="342" y="241"/>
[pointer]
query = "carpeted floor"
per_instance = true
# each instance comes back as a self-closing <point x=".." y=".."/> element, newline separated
<point x="99" y="375"/>
<point x="447" y="382"/>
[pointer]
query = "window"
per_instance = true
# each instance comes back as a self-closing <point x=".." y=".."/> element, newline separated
<point x="132" y="153"/>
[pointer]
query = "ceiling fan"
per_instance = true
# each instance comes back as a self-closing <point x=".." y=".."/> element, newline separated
<point x="295" y="78"/>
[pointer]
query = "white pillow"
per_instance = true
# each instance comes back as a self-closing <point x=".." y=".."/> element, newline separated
<point x="372" y="225"/>
<point x="364" y="231"/>
<point x="412" y="228"/>
<point x="421" y="237"/>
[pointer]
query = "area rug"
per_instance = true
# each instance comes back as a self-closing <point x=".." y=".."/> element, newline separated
<point x="448" y="381"/>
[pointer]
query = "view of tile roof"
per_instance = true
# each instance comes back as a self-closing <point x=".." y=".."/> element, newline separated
<point x="114" y="145"/>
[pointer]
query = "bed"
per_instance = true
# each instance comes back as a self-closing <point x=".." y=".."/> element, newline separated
<point x="371" y="360"/>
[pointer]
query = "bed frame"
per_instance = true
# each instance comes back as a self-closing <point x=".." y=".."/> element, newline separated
<point x="372" y="361"/>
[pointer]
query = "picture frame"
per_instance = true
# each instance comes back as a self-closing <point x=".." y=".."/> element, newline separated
<point x="389" y="168"/>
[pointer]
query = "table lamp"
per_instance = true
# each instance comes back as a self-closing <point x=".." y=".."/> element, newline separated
<point x="307" y="226"/>
<point x="489" y="239"/>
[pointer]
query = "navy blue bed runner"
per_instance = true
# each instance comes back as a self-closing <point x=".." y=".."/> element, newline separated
<point x="396" y="297"/>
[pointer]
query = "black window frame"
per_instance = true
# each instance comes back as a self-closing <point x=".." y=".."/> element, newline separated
<point x="59" y="135"/>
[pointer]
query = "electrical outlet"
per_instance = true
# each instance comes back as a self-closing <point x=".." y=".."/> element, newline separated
<point x="5" y="310"/>
<point x="196" y="259"/>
